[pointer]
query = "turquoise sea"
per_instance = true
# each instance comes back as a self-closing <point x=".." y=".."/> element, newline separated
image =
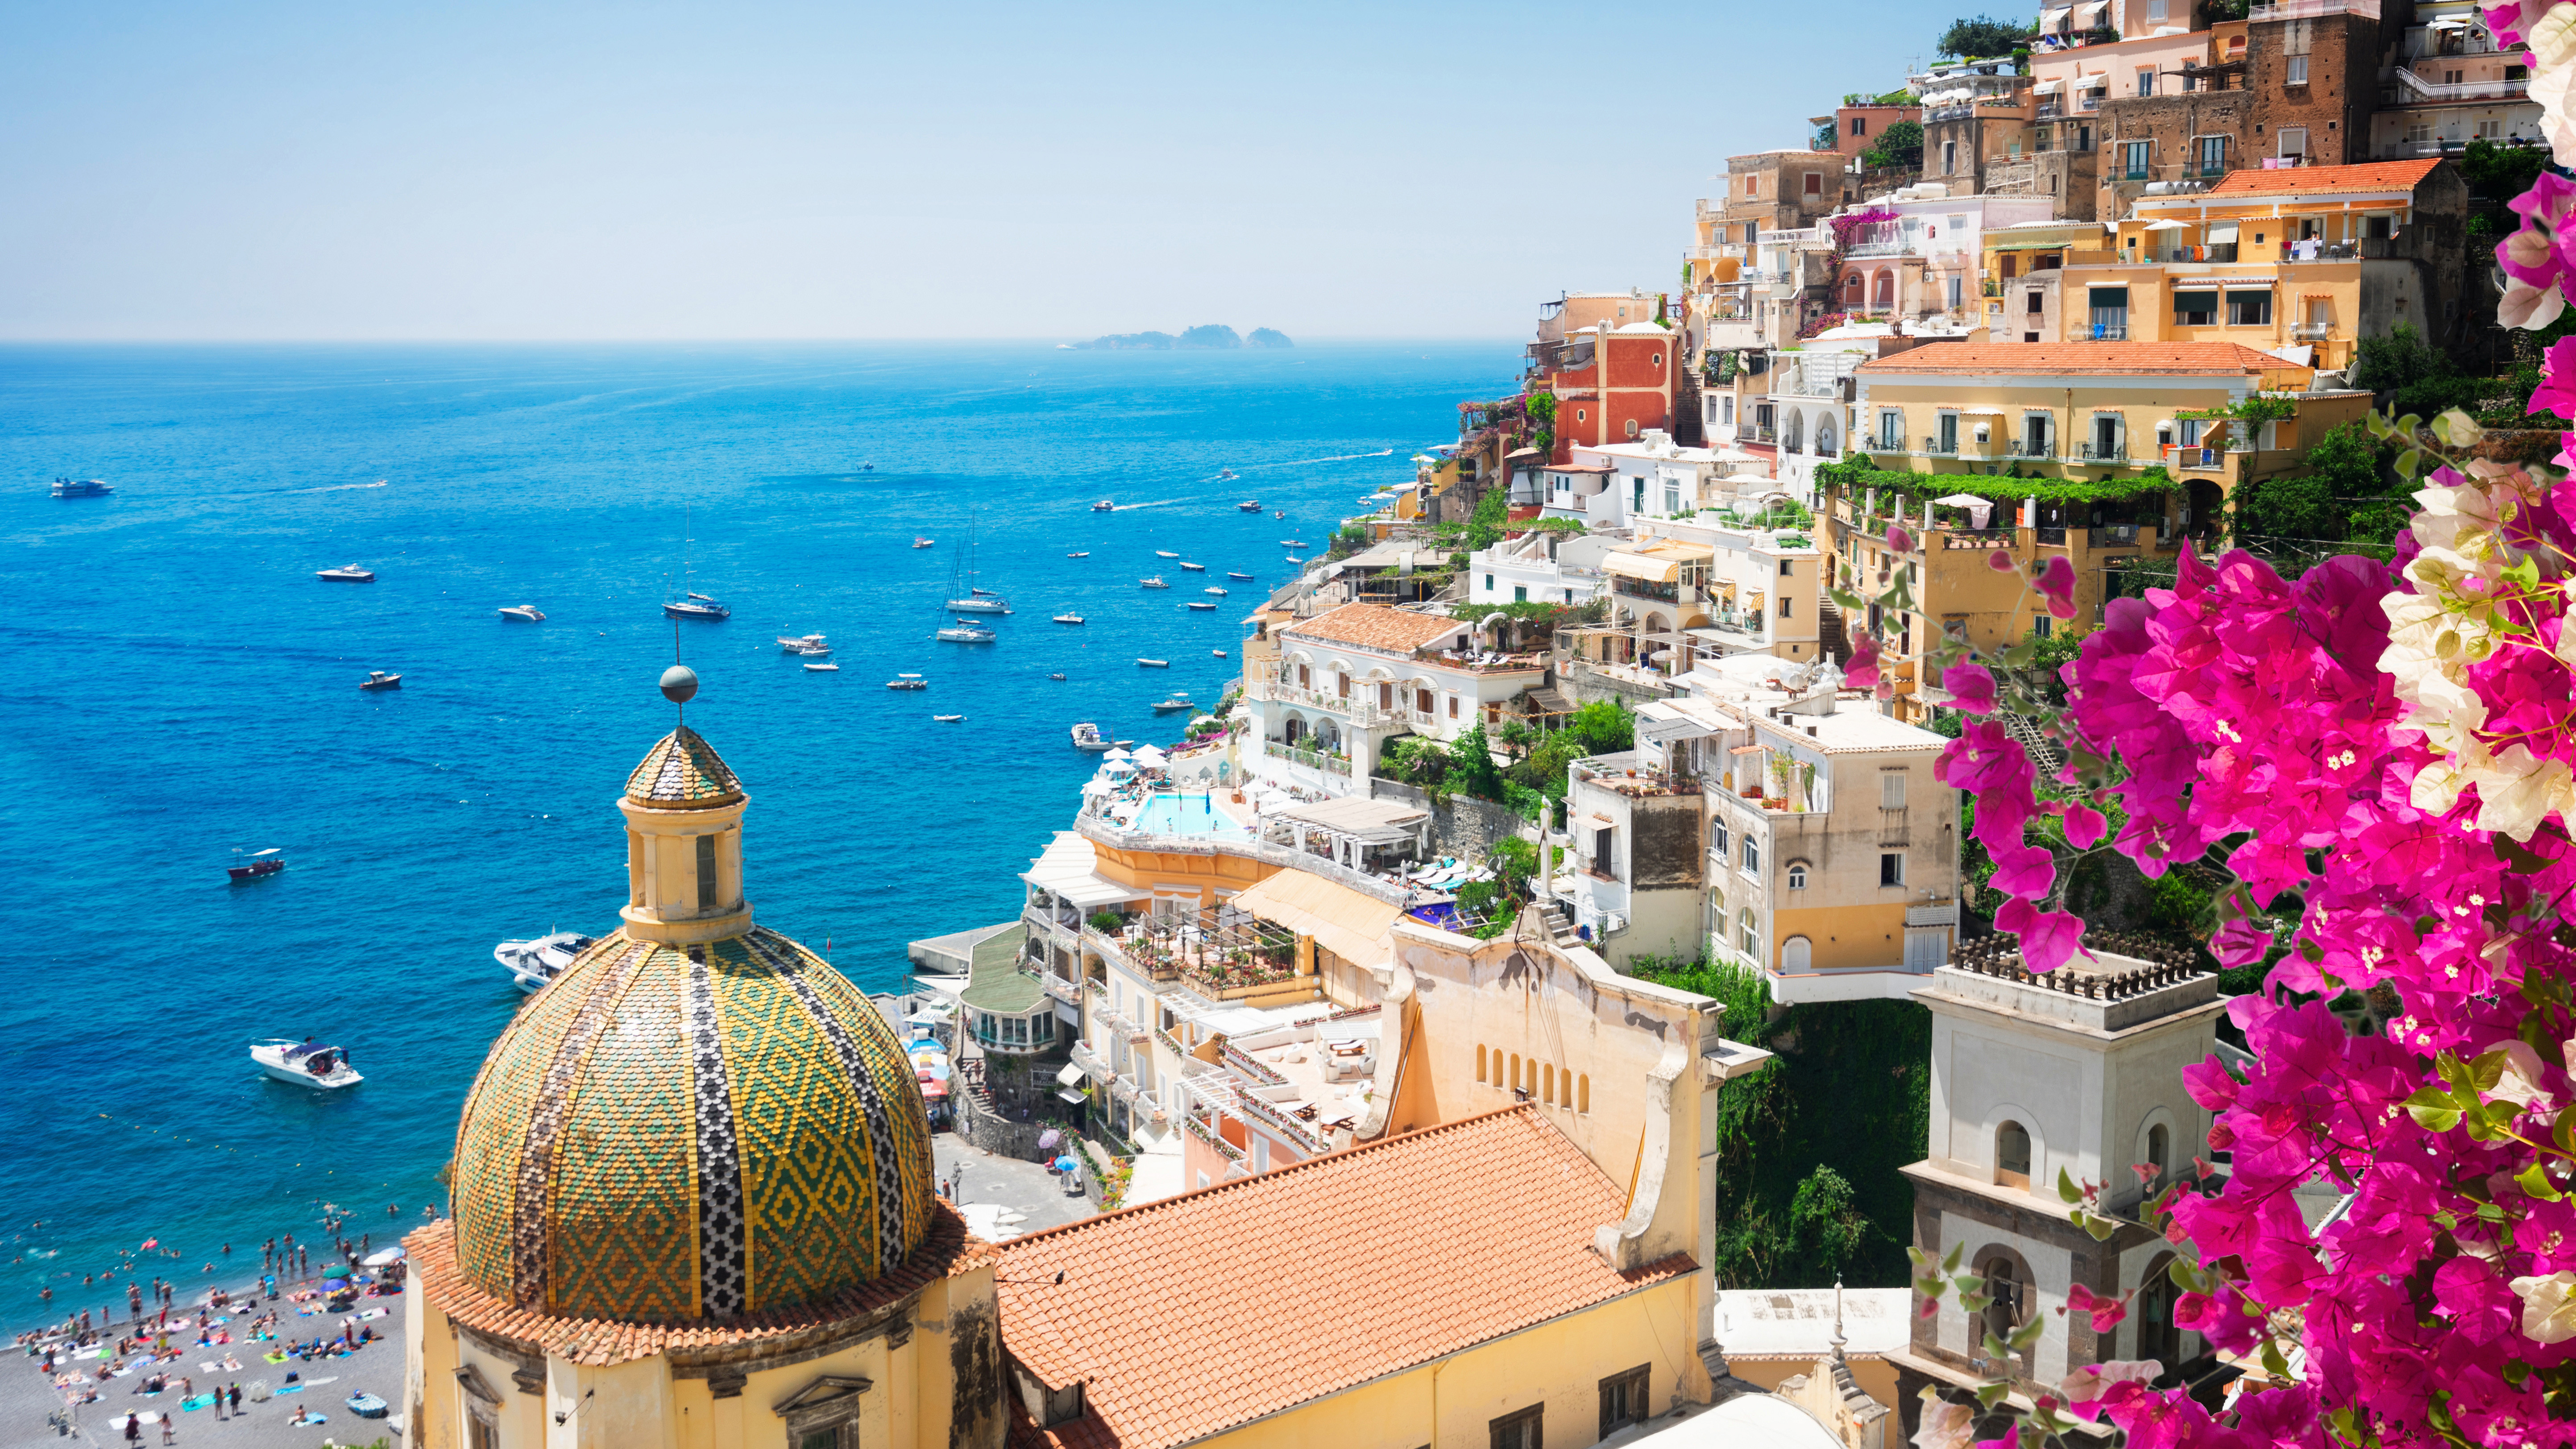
<point x="180" y="687"/>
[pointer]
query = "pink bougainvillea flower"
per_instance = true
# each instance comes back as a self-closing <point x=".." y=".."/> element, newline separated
<point x="2001" y="562"/>
<point x="1861" y="671"/>
<point x="2084" y="826"/>
<point x="2057" y="583"/>
<point x="2107" y="1312"/>
<point x="2556" y="394"/>
<point x="1898" y="539"/>
<point x="1971" y="686"/>
<point x="2049" y="939"/>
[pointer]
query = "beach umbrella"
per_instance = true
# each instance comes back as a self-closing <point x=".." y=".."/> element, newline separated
<point x="1098" y="787"/>
<point x="382" y="1256"/>
<point x="1066" y="1163"/>
<point x="335" y="1284"/>
<point x="1119" y="767"/>
<point x="1119" y="757"/>
<point x="1150" y="757"/>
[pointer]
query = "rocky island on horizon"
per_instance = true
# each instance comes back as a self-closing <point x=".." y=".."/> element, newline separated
<point x="1213" y="335"/>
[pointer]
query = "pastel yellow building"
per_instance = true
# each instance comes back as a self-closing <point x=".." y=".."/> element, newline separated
<point x="2000" y="424"/>
<point x="2314" y="256"/>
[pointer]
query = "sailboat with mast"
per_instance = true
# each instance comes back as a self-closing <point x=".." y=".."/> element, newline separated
<point x="972" y="600"/>
<point x="962" y="630"/>
<point x="691" y="604"/>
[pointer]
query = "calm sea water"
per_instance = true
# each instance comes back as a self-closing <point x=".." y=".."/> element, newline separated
<point x="181" y="687"/>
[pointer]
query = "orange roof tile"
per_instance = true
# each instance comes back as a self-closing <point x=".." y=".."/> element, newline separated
<point x="2111" y="359"/>
<point x="2311" y="180"/>
<point x="1378" y="627"/>
<point x="1321" y="1275"/>
<point x="947" y="1250"/>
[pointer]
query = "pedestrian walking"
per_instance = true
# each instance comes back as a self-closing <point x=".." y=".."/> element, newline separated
<point x="133" y="1429"/>
<point x="235" y="1391"/>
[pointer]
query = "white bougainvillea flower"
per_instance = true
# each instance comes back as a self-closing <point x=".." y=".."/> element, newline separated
<point x="2548" y="1314"/>
<point x="2527" y="306"/>
<point x="1945" y="1425"/>
<point x="2520" y="1083"/>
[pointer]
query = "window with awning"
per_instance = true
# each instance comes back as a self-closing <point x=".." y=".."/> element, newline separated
<point x="2249" y="308"/>
<point x="2108" y="298"/>
<point x="1640" y="566"/>
<point x="2221" y="232"/>
<point x="2195" y="309"/>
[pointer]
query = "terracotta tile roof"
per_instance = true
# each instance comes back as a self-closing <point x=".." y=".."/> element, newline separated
<point x="948" y="1250"/>
<point x="1376" y="626"/>
<point x="683" y="772"/>
<point x="2312" y="180"/>
<point x="2104" y="359"/>
<point x="1321" y="1276"/>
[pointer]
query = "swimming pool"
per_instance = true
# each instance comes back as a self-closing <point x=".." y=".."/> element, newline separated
<point x="1170" y="814"/>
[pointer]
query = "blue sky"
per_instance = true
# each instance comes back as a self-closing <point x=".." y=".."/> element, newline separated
<point x="640" y="170"/>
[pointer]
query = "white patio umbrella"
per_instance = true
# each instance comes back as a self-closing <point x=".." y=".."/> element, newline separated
<point x="1979" y="509"/>
<point x="1150" y="757"/>
<point x="1118" y="767"/>
<point x="380" y="1257"/>
<point x="1117" y="757"/>
<point x="1098" y="787"/>
<point x="2168" y="224"/>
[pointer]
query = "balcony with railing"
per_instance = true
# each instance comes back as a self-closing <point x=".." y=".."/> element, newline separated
<point x="1312" y="759"/>
<point x="2490" y="88"/>
<point x="1632" y="773"/>
<point x="2261" y="10"/>
<point x="1940" y="447"/>
<point x="2100" y="452"/>
<point x="1667" y="593"/>
<point x="2310" y="331"/>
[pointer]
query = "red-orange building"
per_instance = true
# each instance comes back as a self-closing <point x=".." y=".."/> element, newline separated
<point x="1613" y="384"/>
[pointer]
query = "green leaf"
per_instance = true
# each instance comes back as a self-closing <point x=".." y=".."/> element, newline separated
<point x="2067" y="1191"/>
<point x="2273" y="1364"/>
<point x="2432" y="1110"/>
<point x="2410" y="464"/>
<point x="1997" y="1348"/>
<point x="1989" y="1395"/>
<point x="2028" y="1334"/>
<point x="1917" y="1256"/>
<point x="2101" y="1228"/>
<point x="2486" y="1069"/>
<point x="1973" y="1302"/>
<point x="1968" y="1282"/>
<point x="2563" y="1131"/>
<point x="1950" y="1264"/>
<point x="2519" y="859"/>
<point x="2186" y="1277"/>
<point x="2535" y="1181"/>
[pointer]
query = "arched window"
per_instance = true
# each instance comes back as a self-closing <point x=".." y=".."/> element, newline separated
<point x="1797" y="875"/>
<point x="1796" y="954"/>
<point x="1825" y="436"/>
<point x="2004" y="1290"/>
<point x="1790" y="436"/>
<point x="1480" y="1062"/>
<point x="1583" y="1093"/>
<point x="2159" y="1151"/>
<point x="1852" y="286"/>
<point x="2012" y="1155"/>
<point x="1547" y="1084"/>
<point x="1516" y="1071"/>
<point x="1886" y="289"/>
<point x="2158" y="1339"/>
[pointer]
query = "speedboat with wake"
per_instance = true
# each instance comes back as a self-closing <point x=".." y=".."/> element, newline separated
<point x="533" y="963"/>
<point x="1249" y="505"/>
<point x="1068" y="617"/>
<point x="1104" y="506"/>
<point x="347" y="574"/>
<point x="528" y="612"/>
<point x="306" y="1063"/>
<point x="257" y="865"/>
<point x="82" y="488"/>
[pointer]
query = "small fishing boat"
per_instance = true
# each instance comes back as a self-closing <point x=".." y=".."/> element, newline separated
<point x="378" y="679"/>
<point x="907" y="681"/>
<point x="919" y="542"/>
<point x="533" y="963"/>
<point x="1195" y="568"/>
<point x="1165" y="553"/>
<point x="1224" y="473"/>
<point x="1292" y="543"/>
<point x="1103" y="506"/>
<point x="966" y="631"/>
<point x="1156" y="582"/>
<point x="1213" y="591"/>
<point x="949" y="718"/>
<point x="1292" y="558"/>
<point x="1087" y="737"/>
<point x="528" y="612"/>
<point x="1219" y="653"/>
<point x="824" y="666"/>
<point x="1086" y="553"/>
<point x="1154" y="663"/>
<point x="347" y="574"/>
<point x="696" y="606"/>
<point x="1279" y="513"/>
<point x="81" y="488"/>
<point x="1199" y="608"/>
<point x="306" y="1064"/>
<point x="257" y="864"/>
<point x="1068" y="617"/>
<point x="803" y="644"/>
<point x="1239" y="578"/>
<point x="1249" y="505"/>
<point x="1055" y="676"/>
<point x="1176" y="702"/>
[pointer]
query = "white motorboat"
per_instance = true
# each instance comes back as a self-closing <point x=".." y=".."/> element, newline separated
<point x="306" y="1063"/>
<point x="1219" y="593"/>
<point x="803" y="644"/>
<point x="81" y="488"/>
<point x="1068" y="617"/>
<point x="1103" y="506"/>
<point x="533" y="963"/>
<point x="1195" y="568"/>
<point x="1165" y="553"/>
<point x="907" y="681"/>
<point x="1153" y="664"/>
<point x="963" y="632"/>
<point x="949" y="718"/>
<point x="1087" y="737"/>
<point x="1086" y="553"/>
<point x="347" y="574"/>
<point x="1156" y="582"/>
<point x="978" y="604"/>
<point x="528" y="612"/>
<point x="822" y="667"/>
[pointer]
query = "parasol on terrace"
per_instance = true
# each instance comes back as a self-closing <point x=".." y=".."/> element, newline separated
<point x="1979" y="509"/>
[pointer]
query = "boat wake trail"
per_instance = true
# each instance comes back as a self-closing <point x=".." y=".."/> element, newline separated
<point x="335" y="487"/>
<point x="1165" y="503"/>
<point x="1304" y="462"/>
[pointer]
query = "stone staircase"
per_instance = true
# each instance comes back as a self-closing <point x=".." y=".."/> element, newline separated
<point x="2044" y="752"/>
<point x="1829" y="630"/>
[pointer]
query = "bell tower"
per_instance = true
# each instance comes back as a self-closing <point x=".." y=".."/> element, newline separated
<point x="684" y="811"/>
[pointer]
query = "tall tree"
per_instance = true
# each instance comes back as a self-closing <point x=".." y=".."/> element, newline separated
<point x="1982" y="35"/>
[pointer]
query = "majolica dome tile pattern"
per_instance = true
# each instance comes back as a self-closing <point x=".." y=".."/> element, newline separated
<point x="683" y="772"/>
<point x="691" y="1132"/>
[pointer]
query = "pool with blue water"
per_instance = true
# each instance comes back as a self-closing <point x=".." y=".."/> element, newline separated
<point x="1170" y="814"/>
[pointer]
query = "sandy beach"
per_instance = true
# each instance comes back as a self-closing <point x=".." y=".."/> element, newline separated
<point x="324" y="1385"/>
